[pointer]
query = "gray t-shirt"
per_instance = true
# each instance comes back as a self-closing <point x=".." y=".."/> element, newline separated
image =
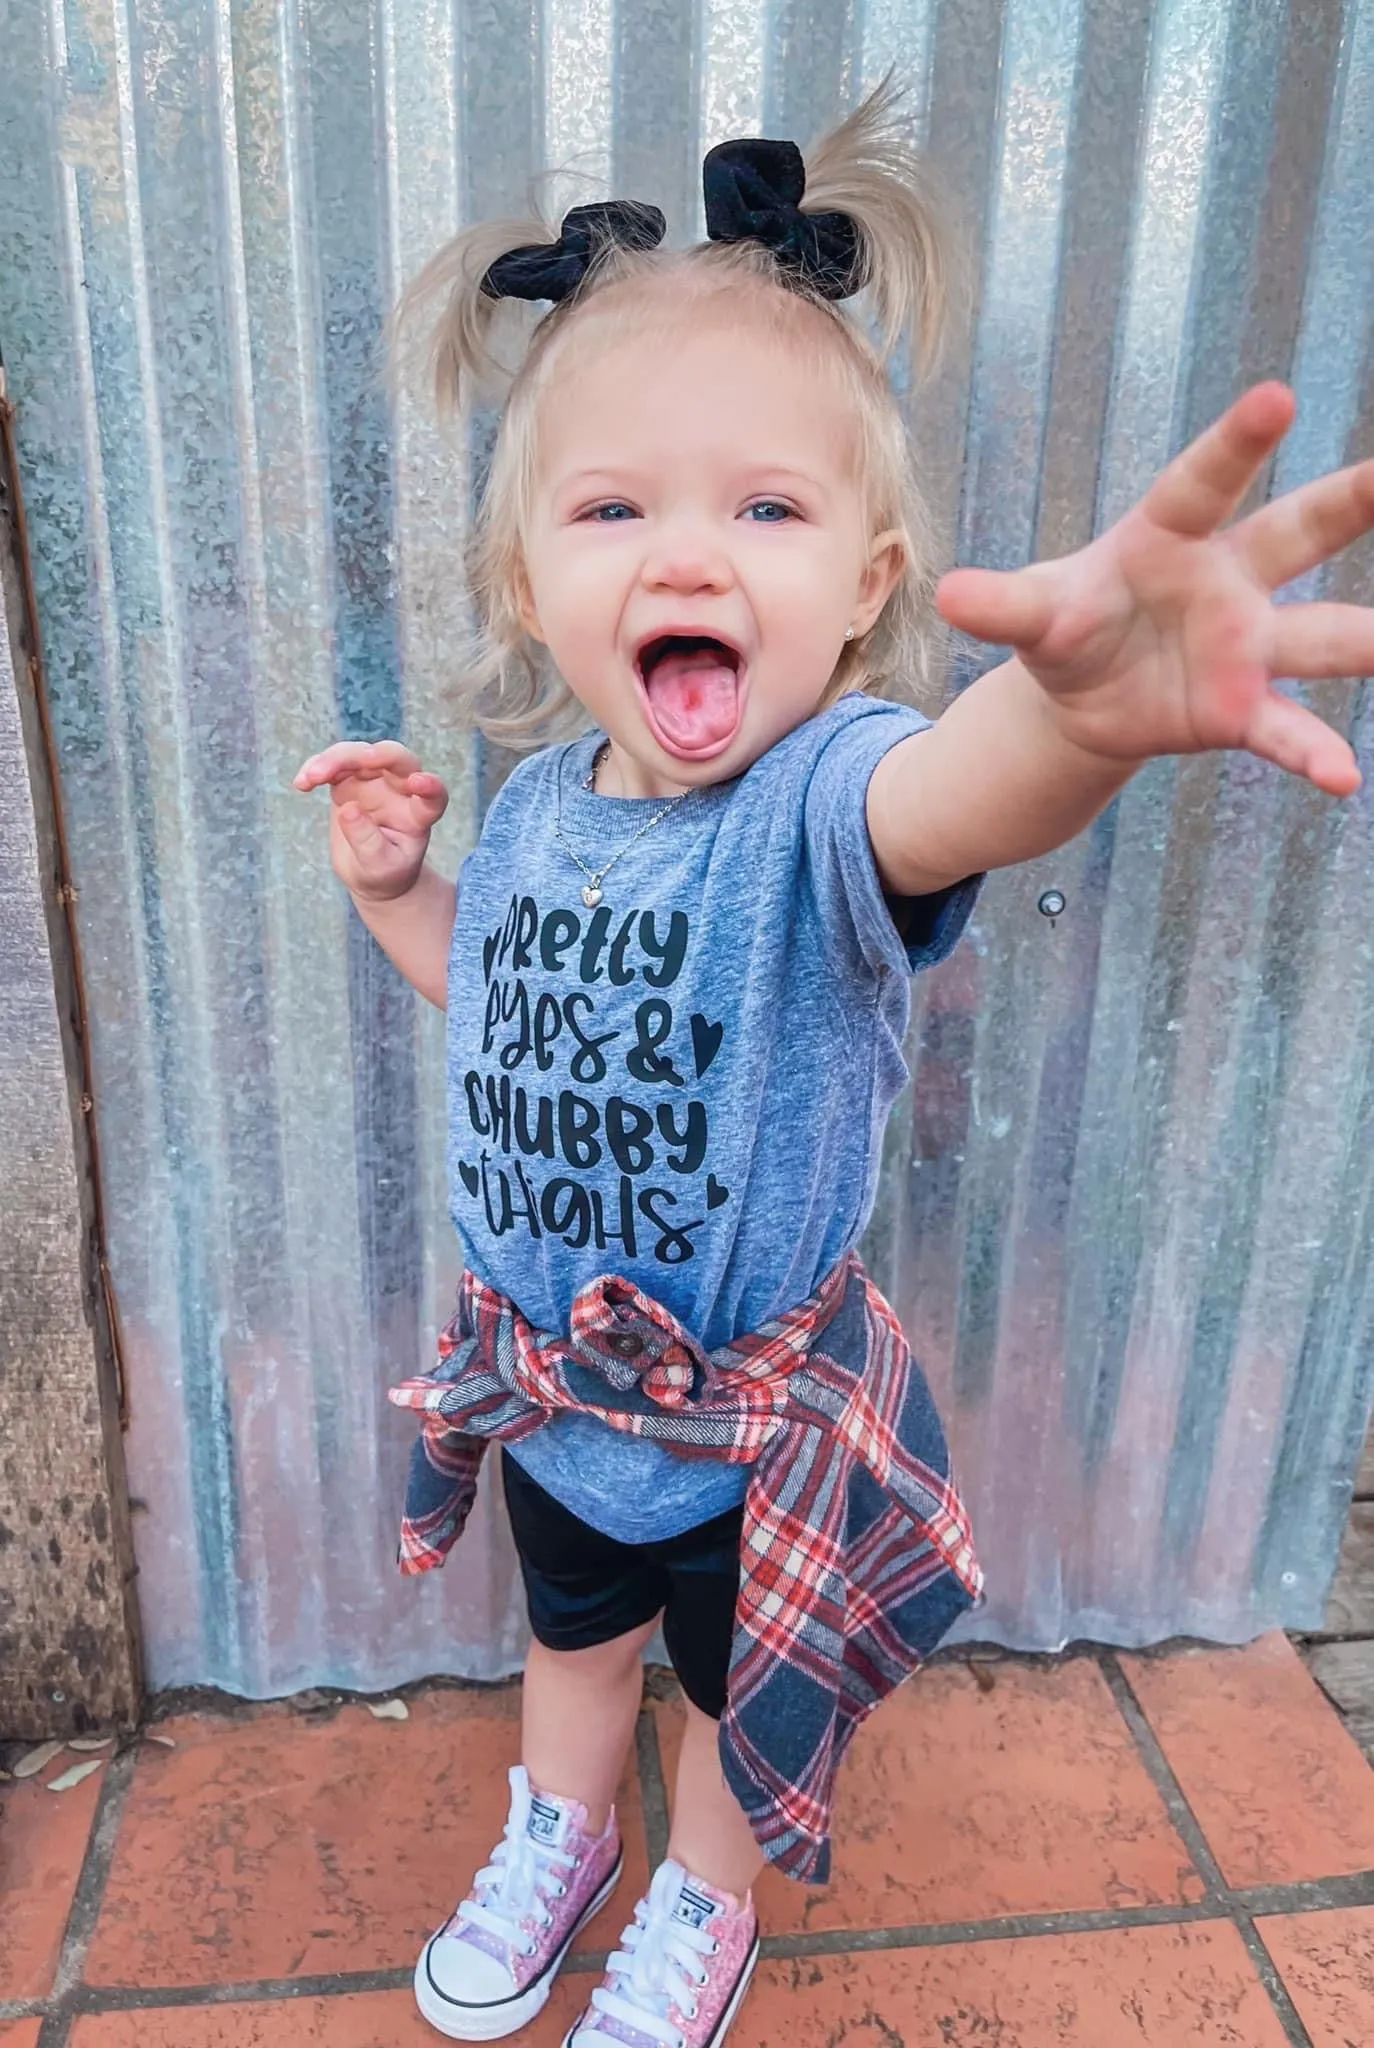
<point x="687" y="1083"/>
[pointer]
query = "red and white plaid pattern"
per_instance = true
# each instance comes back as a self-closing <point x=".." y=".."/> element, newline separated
<point x="856" y="1555"/>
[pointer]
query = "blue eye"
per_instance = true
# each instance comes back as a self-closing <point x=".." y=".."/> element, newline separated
<point x="769" y="512"/>
<point x="611" y="514"/>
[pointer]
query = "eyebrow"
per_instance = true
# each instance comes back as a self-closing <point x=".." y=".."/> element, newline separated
<point x="582" y="477"/>
<point x="764" y="472"/>
<point x="768" y="470"/>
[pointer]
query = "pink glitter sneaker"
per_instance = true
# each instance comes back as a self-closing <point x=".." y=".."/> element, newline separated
<point x="490" y="1969"/>
<point x="681" y="1974"/>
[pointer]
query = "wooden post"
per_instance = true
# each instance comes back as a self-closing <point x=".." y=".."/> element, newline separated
<point x="68" y="1621"/>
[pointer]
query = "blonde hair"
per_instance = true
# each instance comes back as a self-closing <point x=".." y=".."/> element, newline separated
<point x="866" y="168"/>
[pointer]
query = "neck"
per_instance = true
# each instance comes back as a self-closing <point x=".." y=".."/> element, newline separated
<point x="616" y="773"/>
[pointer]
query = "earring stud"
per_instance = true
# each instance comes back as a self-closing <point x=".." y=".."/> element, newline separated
<point x="849" y="632"/>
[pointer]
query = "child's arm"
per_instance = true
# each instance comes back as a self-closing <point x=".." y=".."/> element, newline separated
<point x="1160" y="637"/>
<point x="384" y="806"/>
<point x="415" y="931"/>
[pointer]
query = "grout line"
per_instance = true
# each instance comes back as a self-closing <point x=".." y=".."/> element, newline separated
<point x="1288" y="2016"/>
<point x="1308" y="1895"/>
<point x="1323" y="1895"/>
<point x="101" y="1998"/>
<point x="1234" y="1904"/>
<point x="98" y="1998"/>
<point x="960" y="1933"/>
<point x="1185" y="1821"/>
<point x="653" y="1790"/>
<point x="86" y="1900"/>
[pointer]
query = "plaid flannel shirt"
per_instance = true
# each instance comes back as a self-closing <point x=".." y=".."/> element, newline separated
<point x="856" y="1554"/>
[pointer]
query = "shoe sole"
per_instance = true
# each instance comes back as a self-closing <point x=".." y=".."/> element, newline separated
<point x="494" y="2022"/>
<point x="722" y="2026"/>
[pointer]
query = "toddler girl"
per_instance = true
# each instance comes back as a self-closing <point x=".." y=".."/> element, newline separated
<point x="676" y="971"/>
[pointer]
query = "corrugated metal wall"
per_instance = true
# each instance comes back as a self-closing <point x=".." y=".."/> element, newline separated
<point x="1128" y="1211"/>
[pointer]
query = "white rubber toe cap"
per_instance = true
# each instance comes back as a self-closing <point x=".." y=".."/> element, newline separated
<point x="469" y="1996"/>
<point x="465" y="1974"/>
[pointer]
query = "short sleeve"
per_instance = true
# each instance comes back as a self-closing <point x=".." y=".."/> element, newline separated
<point x="862" y="923"/>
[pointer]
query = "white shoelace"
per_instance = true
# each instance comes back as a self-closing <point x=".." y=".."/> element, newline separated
<point x="516" y="1884"/>
<point x="659" y="1966"/>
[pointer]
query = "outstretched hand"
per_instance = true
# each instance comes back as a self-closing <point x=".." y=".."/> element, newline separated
<point x="1162" y="637"/>
<point x="383" y="810"/>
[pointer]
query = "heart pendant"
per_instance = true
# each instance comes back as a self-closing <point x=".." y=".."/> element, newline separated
<point x="591" y="896"/>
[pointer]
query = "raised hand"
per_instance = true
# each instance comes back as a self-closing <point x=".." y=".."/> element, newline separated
<point x="383" y="808"/>
<point x="1162" y="637"/>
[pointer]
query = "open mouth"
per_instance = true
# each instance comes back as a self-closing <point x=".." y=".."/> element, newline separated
<point x="692" y="686"/>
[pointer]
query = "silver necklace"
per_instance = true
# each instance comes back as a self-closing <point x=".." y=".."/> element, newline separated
<point x="591" y="890"/>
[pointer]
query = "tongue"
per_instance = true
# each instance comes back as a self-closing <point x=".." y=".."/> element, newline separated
<point x="694" y="697"/>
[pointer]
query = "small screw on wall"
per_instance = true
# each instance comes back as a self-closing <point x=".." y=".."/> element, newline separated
<point x="1053" y="903"/>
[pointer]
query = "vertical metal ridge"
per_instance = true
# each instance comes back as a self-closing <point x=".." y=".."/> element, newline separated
<point x="898" y="36"/>
<point x="578" y="82"/>
<point x="1338" y="304"/>
<point x="657" y="109"/>
<point x="1124" y="1210"/>
<point x="807" y="66"/>
<point x="180" y="1023"/>
<point x="1099" y="207"/>
<point x="423" y="144"/>
<point x="1184" y="77"/>
<point x="733" y="63"/>
<point x="963" y="112"/>
<point x="1013" y="354"/>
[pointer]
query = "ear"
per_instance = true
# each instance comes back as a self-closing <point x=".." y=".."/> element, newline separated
<point x="886" y="560"/>
<point x="524" y="604"/>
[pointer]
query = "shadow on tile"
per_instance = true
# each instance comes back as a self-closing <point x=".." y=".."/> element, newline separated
<point x="957" y="1804"/>
<point x="283" y="1845"/>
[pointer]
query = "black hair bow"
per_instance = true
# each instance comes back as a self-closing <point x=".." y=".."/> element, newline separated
<point x="554" y="270"/>
<point x="753" y="194"/>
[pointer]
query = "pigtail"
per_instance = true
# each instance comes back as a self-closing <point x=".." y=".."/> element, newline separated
<point x="443" y="327"/>
<point x="869" y="168"/>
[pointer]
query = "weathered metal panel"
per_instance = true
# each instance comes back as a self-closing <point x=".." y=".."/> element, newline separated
<point x="1127" y="1209"/>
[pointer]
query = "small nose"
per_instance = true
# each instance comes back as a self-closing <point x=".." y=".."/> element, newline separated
<point x="687" y="559"/>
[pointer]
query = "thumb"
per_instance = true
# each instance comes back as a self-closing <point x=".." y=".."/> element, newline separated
<point x="1011" y="608"/>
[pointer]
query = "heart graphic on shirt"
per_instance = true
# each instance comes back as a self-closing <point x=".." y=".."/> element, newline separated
<point x="469" y="1176"/>
<point x="489" y="954"/>
<point x="715" y="1193"/>
<point x="705" y="1042"/>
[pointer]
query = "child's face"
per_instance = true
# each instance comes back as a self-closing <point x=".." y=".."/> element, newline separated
<point x="698" y="546"/>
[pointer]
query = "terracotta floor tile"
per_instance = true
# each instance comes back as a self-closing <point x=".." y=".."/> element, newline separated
<point x="286" y="1845"/>
<point x="1152" y="1987"/>
<point x="42" y="1843"/>
<point x="19" y="2033"/>
<point x="367" y="2019"/>
<point x="1157" y="1987"/>
<point x="1281" y="1790"/>
<point x="1327" y="1962"/>
<point x="956" y="1804"/>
